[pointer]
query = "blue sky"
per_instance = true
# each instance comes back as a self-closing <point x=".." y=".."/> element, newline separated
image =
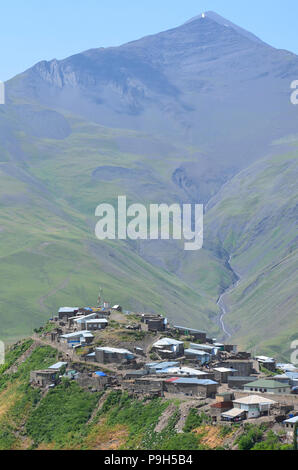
<point x="35" y="30"/>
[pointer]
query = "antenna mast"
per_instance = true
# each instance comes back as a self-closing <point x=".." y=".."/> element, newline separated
<point x="99" y="297"/>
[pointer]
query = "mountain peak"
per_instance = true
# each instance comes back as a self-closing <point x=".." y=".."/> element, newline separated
<point x="224" y="22"/>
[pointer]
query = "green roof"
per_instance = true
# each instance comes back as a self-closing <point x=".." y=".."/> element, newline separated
<point x="263" y="383"/>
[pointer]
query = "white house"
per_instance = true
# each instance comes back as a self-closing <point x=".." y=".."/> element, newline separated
<point x="169" y="345"/>
<point x="254" y="405"/>
<point x="77" y="338"/>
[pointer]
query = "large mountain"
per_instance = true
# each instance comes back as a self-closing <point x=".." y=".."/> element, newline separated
<point x="184" y="115"/>
<point x="207" y="83"/>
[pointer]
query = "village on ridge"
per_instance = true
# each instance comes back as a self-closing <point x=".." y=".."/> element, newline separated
<point x="105" y="348"/>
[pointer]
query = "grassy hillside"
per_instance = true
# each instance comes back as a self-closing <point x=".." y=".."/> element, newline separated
<point x="69" y="417"/>
<point x="49" y="254"/>
<point x="255" y="220"/>
<point x="50" y="185"/>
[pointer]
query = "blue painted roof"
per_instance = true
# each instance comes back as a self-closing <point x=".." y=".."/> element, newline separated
<point x="292" y="375"/>
<point x="100" y="373"/>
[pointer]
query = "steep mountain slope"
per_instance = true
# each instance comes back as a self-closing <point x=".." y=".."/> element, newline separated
<point x="255" y="219"/>
<point x="204" y="83"/>
<point x="168" y="118"/>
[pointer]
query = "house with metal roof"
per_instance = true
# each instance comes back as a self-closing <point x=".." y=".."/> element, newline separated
<point x="293" y="376"/>
<point x="223" y="373"/>
<point x="106" y="355"/>
<point x="96" y="324"/>
<point x="154" y="367"/>
<point x="268" y="362"/>
<point x="234" y="415"/>
<point x="66" y="312"/>
<point x="203" y="357"/>
<point x="44" y="378"/>
<point x="169" y="347"/>
<point x="237" y="382"/>
<point x="77" y="338"/>
<point x="191" y="386"/>
<point x="286" y="367"/>
<point x="184" y="372"/>
<point x="197" y="334"/>
<point x="254" y="405"/>
<point x="209" y="348"/>
<point x="58" y="366"/>
<point x="267" y="386"/>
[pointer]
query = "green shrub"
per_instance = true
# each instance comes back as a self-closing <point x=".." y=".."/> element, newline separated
<point x="13" y="353"/>
<point x="250" y="437"/>
<point x="41" y="358"/>
<point x="64" y="411"/>
<point x="195" y="420"/>
<point x="271" y="443"/>
<point x="185" y="441"/>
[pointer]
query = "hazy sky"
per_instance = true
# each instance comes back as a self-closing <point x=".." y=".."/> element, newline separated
<point x="34" y="30"/>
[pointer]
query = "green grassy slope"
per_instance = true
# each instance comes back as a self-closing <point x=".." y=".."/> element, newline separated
<point x="49" y="189"/>
<point x="255" y="220"/>
<point x="49" y="253"/>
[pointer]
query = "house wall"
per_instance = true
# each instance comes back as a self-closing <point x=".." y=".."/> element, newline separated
<point x="275" y="391"/>
<point x="221" y="377"/>
<point x="156" y="325"/>
<point x="106" y="358"/>
<point x="239" y="383"/>
<point x="143" y="386"/>
<point x="42" y="379"/>
<point x="244" y="368"/>
<point x="96" y="383"/>
<point x="192" y="389"/>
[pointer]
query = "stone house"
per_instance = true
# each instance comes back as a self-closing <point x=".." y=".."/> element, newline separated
<point x="192" y="387"/>
<point x="237" y="383"/>
<point x="222" y="374"/>
<point x="106" y="355"/>
<point x="289" y="425"/>
<point x="268" y="362"/>
<point x="43" y="378"/>
<point x="244" y="368"/>
<point x="202" y="357"/>
<point x="65" y="313"/>
<point x="196" y="334"/>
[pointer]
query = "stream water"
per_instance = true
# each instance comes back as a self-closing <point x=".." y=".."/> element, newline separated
<point x="223" y="308"/>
